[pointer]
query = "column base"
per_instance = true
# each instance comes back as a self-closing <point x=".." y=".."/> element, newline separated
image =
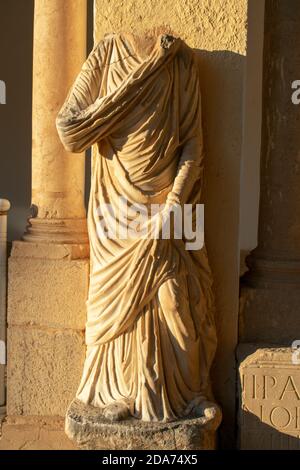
<point x="59" y="231"/>
<point x="269" y="398"/>
<point x="270" y="299"/>
<point x="91" y="431"/>
<point x="272" y="271"/>
<point x="269" y="314"/>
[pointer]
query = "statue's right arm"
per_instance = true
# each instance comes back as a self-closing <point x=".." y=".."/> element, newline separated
<point x="82" y="99"/>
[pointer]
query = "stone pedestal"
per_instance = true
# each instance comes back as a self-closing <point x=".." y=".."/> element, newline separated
<point x="86" y="426"/>
<point x="47" y="291"/>
<point x="46" y="320"/>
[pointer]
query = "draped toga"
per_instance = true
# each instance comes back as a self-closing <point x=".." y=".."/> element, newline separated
<point x="150" y="330"/>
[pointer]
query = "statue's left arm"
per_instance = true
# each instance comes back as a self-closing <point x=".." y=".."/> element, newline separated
<point x="189" y="170"/>
<point x="190" y="164"/>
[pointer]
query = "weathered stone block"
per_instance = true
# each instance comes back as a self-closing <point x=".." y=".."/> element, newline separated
<point x="44" y="370"/>
<point x="48" y="293"/>
<point x="91" y="431"/>
<point x="269" y="393"/>
<point x="47" y="251"/>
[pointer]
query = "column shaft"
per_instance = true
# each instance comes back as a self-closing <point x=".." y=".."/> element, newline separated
<point x="58" y="212"/>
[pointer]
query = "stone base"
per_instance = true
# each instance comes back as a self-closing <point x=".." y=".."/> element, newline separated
<point x="34" y="433"/>
<point x="91" y="431"/>
<point x="269" y="398"/>
<point x="47" y="291"/>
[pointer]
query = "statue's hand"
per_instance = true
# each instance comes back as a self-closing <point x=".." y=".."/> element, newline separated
<point x="168" y="221"/>
<point x="173" y="199"/>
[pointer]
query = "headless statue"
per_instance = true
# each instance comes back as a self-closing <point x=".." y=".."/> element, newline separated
<point x="150" y="330"/>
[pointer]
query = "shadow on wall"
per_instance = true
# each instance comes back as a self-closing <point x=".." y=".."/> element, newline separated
<point x="222" y="79"/>
<point x="16" y="32"/>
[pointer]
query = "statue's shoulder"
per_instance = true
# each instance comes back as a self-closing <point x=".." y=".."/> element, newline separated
<point x="104" y="42"/>
<point x="100" y="49"/>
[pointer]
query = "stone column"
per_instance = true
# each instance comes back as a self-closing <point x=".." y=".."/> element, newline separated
<point x="58" y="212"/>
<point x="270" y="294"/>
<point x="274" y="265"/>
<point x="48" y="270"/>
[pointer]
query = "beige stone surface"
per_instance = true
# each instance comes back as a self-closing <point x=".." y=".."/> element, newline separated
<point x="48" y="293"/>
<point x="62" y="252"/>
<point x="32" y="433"/>
<point x="86" y="426"/>
<point x="269" y="393"/>
<point x="44" y="370"/>
<point x="211" y="24"/>
<point x="217" y="30"/>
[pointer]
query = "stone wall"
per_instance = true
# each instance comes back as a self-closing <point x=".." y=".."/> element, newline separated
<point x="47" y="292"/>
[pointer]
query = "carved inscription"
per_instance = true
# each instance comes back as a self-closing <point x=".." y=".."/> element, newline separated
<point x="275" y="399"/>
<point x="271" y="394"/>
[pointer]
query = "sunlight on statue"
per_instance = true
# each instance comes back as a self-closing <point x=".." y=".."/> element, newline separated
<point x="150" y="331"/>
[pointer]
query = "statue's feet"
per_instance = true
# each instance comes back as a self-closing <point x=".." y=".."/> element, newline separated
<point x="116" y="411"/>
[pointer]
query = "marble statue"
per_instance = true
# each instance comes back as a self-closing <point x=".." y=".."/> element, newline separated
<point x="150" y="330"/>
